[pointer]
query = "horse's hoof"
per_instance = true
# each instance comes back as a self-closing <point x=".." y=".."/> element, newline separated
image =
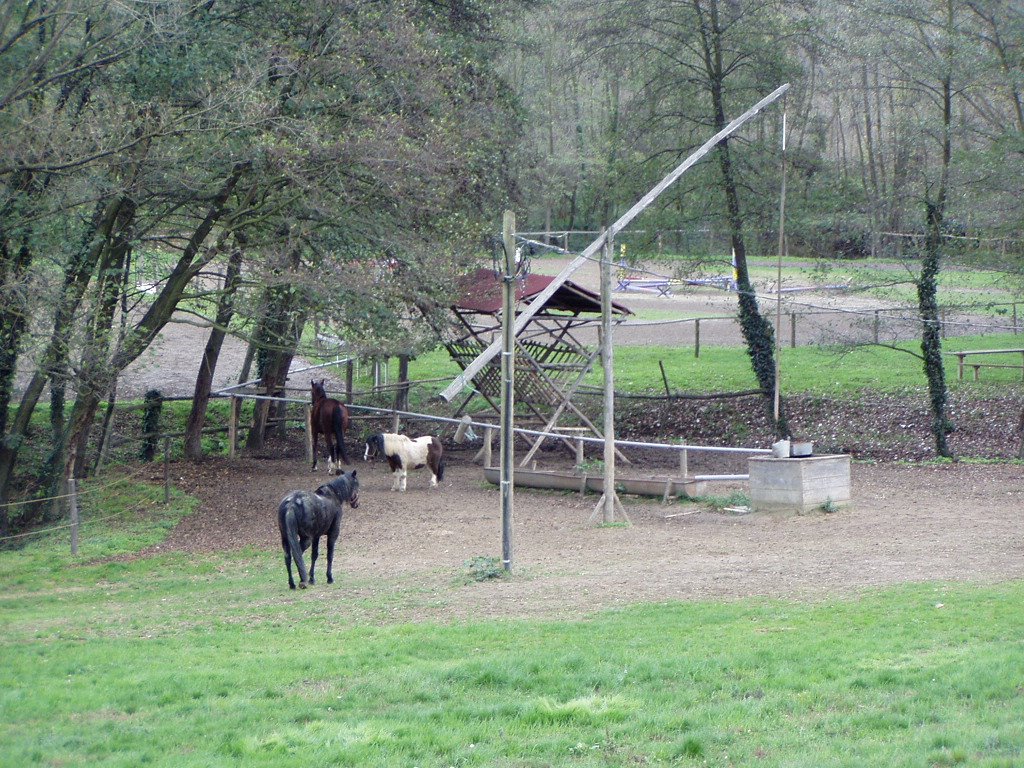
<point x="330" y="579"/>
<point x="302" y="585"/>
<point x="291" y="586"/>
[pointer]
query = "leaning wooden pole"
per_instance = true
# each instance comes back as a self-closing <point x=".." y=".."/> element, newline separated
<point x="471" y="370"/>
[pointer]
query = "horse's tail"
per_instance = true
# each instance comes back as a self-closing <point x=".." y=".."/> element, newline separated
<point x="338" y="422"/>
<point x="287" y="521"/>
<point x="440" y="460"/>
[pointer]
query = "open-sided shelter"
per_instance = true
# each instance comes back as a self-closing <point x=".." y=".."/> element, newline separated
<point x="551" y="359"/>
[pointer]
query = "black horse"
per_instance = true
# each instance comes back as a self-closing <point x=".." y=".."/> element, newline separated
<point x="304" y="517"/>
<point x="328" y="417"/>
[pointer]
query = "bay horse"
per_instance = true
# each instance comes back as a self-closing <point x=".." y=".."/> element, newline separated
<point x="303" y="517"/>
<point x="403" y="453"/>
<point x="328" y="417"/>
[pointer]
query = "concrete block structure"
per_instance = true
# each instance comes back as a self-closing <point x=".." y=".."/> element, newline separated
<point x="799" y="485"/>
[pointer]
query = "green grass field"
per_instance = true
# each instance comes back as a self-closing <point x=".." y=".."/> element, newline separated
<point x="175" y="660"/>
<point x="805" y="370"/>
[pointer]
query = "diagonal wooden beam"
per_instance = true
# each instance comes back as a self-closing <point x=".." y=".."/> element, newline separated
<point x="541" y="298"/>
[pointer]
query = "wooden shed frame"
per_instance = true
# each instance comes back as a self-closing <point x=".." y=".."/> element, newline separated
<point x="551" y="361"/>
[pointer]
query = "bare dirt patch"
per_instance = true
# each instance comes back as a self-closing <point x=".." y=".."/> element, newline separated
<point x="908" y="524"/>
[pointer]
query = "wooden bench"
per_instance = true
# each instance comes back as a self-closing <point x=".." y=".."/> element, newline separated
<point x="962" y="355"/>
<point x="638" y="279"/>
<point x="635" y="279"/>
<point x="661" y="286"/>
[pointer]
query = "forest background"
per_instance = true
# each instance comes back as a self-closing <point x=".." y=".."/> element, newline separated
<point x="286" y="171"/>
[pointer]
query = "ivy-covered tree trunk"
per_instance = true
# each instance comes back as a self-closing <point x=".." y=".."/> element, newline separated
<point x="927" y="284"/>
<point x="757" y="331"/>
<point x="931" y="331"/>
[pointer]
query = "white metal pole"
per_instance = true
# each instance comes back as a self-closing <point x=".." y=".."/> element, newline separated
<point x="778" y="277"/>
<point x="608" y="253"/>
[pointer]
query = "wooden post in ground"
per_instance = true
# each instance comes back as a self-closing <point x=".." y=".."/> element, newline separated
<point x="792" y="330"/>
<point x="167" y="470"/>
<point x="696" y="337"/>
<point x="609" y="501"/>
<point x="308" y="425"/>
<point x="233" y="414"/>
<point x="72" y="486"/>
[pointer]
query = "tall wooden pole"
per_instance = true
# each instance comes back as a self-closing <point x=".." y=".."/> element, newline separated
<point x="507" y="385"/>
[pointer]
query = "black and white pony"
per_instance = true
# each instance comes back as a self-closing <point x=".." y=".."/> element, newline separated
<point x="403" y="453"/>
<point x="304" y="517"/>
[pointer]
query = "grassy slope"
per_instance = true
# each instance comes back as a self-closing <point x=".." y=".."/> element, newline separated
<point x="206" y="661"/>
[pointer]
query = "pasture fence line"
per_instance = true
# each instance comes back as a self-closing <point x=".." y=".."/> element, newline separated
<point x="878" y="325"/>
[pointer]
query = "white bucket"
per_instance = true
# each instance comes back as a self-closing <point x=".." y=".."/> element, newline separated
<point x="802" y="448"/>
<point x="780" y="449"/>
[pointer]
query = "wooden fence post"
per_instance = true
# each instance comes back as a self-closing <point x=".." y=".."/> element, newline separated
<point x="696" y="337"/>
<point x="167" y="470"/>
<point x="684" y="463"/>
<point x="792" y="330"/>
<point x="1015" y="318"/>
<point x="876" y="326"/>
<point x="233" y="415"/>
<point x="308" y="426"/>
<point x="72" y="486"/>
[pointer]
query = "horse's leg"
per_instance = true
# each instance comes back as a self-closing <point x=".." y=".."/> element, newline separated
<point x="301" y="562"/>
<point x="404" y="476"/>
<point x="335" y="465"/>
<point x="316" y="440"/>
<point x="332" y="536"/>
<point x="394" y="478"/>
<point x="312" y="558"/>
<point x="339" y="420"/>
<point x="287" y="559"/>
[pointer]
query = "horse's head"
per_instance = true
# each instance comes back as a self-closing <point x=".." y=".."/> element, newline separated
<point x="374" y="447"/>
<point x="317" y="391"/>
<point x="353" y="490"/>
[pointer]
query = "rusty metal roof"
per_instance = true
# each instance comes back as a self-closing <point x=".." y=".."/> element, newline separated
<point x="481" y="292"/>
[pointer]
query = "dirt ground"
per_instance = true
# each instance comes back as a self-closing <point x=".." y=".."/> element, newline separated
<point x="907" y="524"/>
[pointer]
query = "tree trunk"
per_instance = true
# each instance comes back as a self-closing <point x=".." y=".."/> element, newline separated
<point x="931" y="334"/>
<point x="757" y="331"/>
<point x="55" y="359"/>
<point x="204" y="380"/>
<point x="97" y="373"/>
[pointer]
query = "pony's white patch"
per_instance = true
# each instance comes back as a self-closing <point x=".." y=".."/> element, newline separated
<point x="413" y="454"/>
